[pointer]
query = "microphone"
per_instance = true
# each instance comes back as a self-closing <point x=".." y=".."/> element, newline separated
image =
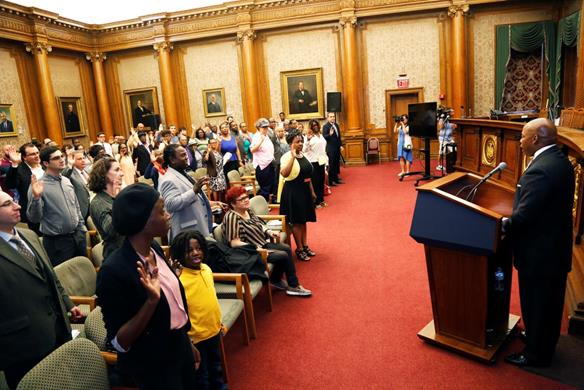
<point x="502" y="165"/>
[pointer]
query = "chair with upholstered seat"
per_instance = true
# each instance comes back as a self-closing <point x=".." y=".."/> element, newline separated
<point x="235" y="180"/>
<point x="75" y="365"/>
<point x="142" y="179"/>
<point x="78" y="278"/>
<point x="373" y="149"/>
<point x="251" y="289"/>
<point x="275" y="222"/>
<point x="97" y="255"/>
<point x="96" y="332"/>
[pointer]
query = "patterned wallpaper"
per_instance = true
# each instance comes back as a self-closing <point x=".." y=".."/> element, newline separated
<point x="296" y="51"/>
<point x="209" y="66"/>
<point x="482" y="27"/>
<point x="10" y="94"/>
<point x="140" y="71"/>
<point x="408" y="46"/>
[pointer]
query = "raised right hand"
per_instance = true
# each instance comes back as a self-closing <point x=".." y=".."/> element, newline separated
<point x="149" y="281"/>
<point x="36" y="186"/>
<point x="14" y="156"/>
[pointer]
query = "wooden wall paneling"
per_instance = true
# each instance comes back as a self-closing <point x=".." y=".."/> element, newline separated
<point x="470" y="153"/>
<point x="114" y="94"/>
<point x="30" y="93"/>
<point x="511" y="154"/>
<point x="181" y="92"/>
<point x="391" y="110"/>
<point x="89" y="98"/>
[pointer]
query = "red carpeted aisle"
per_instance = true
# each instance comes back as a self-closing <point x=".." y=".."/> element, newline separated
<point x="370" y="299"/>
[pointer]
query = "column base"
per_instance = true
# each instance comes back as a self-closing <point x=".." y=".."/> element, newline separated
<point x="354" y="153"/>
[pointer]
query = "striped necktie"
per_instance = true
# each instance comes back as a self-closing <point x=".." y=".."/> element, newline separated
<point x="25" y="252"/>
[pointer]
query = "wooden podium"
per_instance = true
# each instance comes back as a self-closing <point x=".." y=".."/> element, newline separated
<point x="464" y="250"/>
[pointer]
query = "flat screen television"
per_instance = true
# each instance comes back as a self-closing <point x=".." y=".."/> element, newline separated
<point x="422" y="120"/>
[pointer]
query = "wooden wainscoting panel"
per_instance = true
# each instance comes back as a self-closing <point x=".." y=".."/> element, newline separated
<point x="511" y="154"/>
<point x="355" y="151"/>
<point x="470" y="153"/>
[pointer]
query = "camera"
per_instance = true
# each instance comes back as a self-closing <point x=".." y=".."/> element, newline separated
<point x="397" y="118"/>
<point x="443" y="113"/>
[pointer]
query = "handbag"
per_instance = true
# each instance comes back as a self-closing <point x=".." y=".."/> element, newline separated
<point x="407" y="146"/>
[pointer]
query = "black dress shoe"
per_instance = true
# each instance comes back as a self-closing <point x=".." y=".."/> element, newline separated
<point x="333" y="184"/>
<point x="523" y="336"/>
<point x="520" y="360"/>
<point x="340" y="181"/>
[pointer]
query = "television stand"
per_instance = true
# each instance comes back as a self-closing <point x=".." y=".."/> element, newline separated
<point x="426" y="175"/>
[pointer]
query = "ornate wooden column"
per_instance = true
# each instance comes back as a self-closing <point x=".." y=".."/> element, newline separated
<point x="39" y="50"/>
<point x="166" y="82"/>
<point x="250" y="82"/>
<point x="105" y="118"/>
<point x="459" y="59"/>
<point x="354" y="132"/>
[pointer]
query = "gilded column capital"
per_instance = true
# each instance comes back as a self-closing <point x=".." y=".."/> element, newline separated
<point x="163" y="46"/>
<point x="348" y="21"/>
<point x="244" y="35"/>
<point x="95" y="56"/>
<point x="458" y="10"/>
<point x="36" y="47"/>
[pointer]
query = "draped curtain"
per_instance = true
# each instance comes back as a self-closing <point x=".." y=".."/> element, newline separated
<point x="568" y="35"/>
<point x="525" y="38"/>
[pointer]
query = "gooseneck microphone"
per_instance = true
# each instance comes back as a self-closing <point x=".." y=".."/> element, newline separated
<point x="473" y="191"/>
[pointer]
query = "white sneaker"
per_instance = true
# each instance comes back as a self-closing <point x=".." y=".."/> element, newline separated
<point x="298" y="291"/>
<point x="439" y="168"/>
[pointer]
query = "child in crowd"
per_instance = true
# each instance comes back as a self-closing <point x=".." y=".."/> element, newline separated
<point x="189" y="248"/>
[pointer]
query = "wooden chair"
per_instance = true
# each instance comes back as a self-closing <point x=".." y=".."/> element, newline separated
<point x="275" y="222"/>
<point x="235" y="180"/>
<point x="251" y="288"/>
<point x="567" y="117"/>
<point x="96" y="255"/>
<point x="373" y="149"/>
<point x="78" y="278"/>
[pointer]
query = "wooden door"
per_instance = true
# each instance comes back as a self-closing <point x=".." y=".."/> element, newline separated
<point x="396" y="103"/>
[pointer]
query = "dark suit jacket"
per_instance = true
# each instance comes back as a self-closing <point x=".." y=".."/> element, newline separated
<point x="19" y="178"/>
<point x="305" y="105"/>
<point x="213" y="107"/>
<point x="541" y="224"/>
<point x="121" y="295"/>
<point x="6" y="127"/>
<point x="29" y="305"/>
<point x="333" y="142"/>
<point x="139" y="113"/>
<point x="72" y="122"/>
<point x="141" y="156"/>
<point x="81" y="191"/>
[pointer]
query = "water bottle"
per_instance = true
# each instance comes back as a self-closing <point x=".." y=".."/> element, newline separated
<point x="499" y="277"/>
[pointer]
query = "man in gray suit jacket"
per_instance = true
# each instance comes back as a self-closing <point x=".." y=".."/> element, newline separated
<point x="189" y="207"/>
<point x="34" y="319"/>
<point x="79" y="179"/>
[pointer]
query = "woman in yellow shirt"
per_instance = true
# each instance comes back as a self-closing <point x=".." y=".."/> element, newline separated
<point x="189" y="248"/>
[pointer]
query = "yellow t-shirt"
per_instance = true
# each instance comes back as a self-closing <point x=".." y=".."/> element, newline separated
<point x="204" y="311"/>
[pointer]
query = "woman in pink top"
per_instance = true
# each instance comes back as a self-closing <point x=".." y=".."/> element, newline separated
<point x="262" y="149"/>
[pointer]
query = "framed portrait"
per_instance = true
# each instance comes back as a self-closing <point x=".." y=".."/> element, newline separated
<point x="7" y="121"/>
<point x="142" y="107"/>
<point x="71" y="114"/>
<point x="214" y="102"/>
<point x="302" y="94"/>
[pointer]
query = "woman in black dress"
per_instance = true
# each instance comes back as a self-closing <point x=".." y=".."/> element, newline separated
<point x="297" y="200"/>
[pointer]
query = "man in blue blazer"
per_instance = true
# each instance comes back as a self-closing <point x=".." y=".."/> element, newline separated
<point x="541" y="232"/>
<point x="334" y="146"/>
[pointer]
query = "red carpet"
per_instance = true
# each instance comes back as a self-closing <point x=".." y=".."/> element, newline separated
<point x="370" y="299"/>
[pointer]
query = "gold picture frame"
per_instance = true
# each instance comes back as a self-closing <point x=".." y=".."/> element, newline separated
<point x="149" y="113"/>
<point x="214" y="102"/>
<point x="302" y="94"/>
<point x="8" y="126"/>
<point x="72" y="116"/>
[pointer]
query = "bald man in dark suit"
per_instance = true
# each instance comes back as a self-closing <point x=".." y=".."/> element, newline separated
<point x="541" y="233"/>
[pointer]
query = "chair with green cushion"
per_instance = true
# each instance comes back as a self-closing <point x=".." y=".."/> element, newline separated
<point x="76" y="365"/>
<point x="96" y="332"/>
<point x="142" y="179"/>
<point x="275" y="222"/>
<point x="97" y="255"/>
<point x="235" y="180"/>
<point x="251" y="288"/>
<point x="78" y="278"/>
